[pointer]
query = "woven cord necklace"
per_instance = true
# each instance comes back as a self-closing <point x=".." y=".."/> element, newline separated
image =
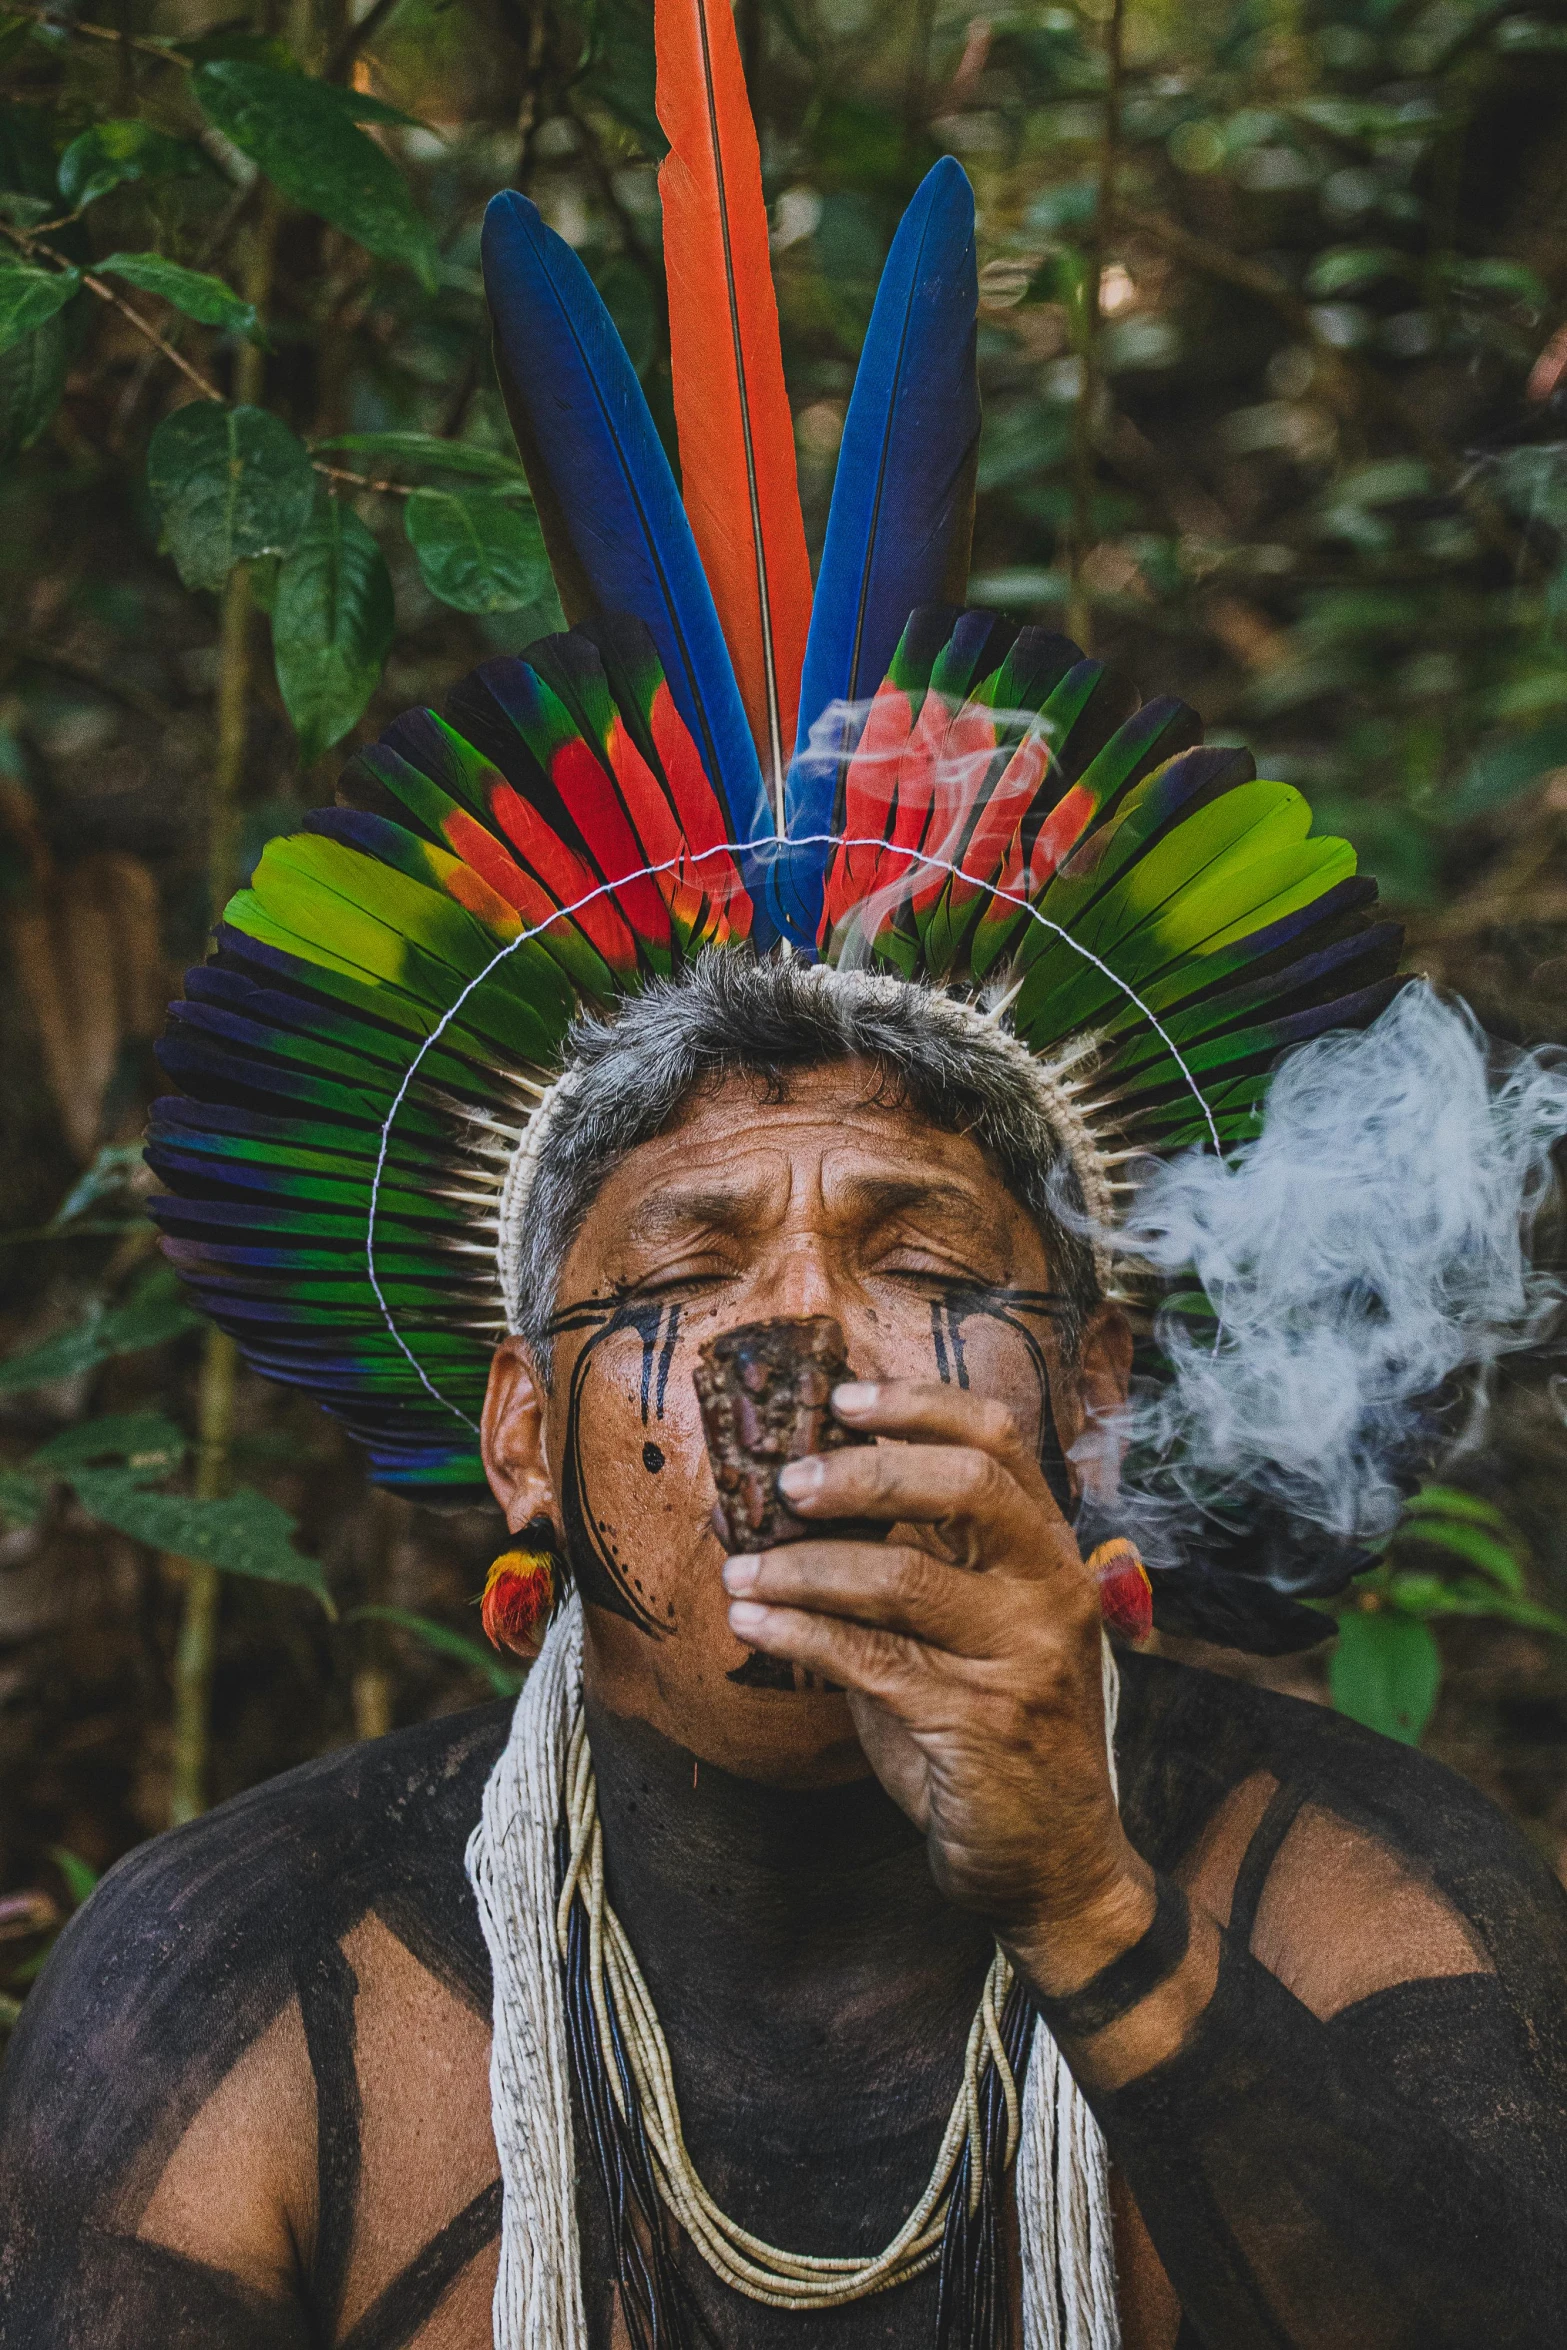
<point x="636" y="2063"/>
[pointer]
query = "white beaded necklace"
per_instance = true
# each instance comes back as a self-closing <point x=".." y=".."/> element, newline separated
<point x="1063" y="2208"/>
<point x="762" y="2271"/>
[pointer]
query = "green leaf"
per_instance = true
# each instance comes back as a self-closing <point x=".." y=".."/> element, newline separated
<point x="32" y="383"/>
<point x="21" y="1498"/>
<point x="478" y="553"/>
<point x="200" y="296"/>
<point x="148" y="1443"/>
<point x="232" y="40"/>
<point x="111" y="153"/>
<point x="155" y="1310"/>
<point x="243" y="1534"/>
<point x="1474" y="1544"/>
<point x="427" y="448"/>
<point x="1433" y="1595"/>
<point x="1346" y="268"/>
<point x="624" y="70"/>
<point x="230" y="483"/>
<point x="301" y="135"/>
<point x="359" y="106"/>
<point x="1500" y="770"/>
<point x="1451" y="1501"/>
<point x="110" y="1172"/>
<point x="30" y="296"/>
<point x="80" y="1876"/>
<point x="1496" y="276"/>
<point x="25" y="211"/>
<point x="1385" y="1672"/>
<point x="503" y="1678"/>
<point x="332" y="626"/>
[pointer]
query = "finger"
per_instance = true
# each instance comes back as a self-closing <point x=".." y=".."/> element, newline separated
<point x="915" y="1482"/>
<point x="925" y="1412"/>
<point x="857" y="1656"/>
<point x="892" y="1590"/>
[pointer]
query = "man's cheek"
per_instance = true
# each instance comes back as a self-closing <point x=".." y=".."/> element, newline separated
<point x="645" y="1494"/>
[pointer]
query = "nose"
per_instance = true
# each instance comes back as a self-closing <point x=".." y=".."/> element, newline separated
<point x="801" y="1281"/>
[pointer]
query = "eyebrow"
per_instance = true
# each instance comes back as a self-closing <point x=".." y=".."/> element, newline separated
<point x="677" y="1209"/>
<point x="889" y="1195"/>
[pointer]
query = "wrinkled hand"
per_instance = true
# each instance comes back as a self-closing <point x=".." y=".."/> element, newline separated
<point x="972" y="1664"/>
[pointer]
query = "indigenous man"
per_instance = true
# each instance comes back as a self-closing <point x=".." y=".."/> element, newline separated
<point x="1310" y="1984"/>
<point x="837" y="1945"/>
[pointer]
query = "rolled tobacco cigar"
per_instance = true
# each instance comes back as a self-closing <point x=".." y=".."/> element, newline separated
<point x="764" y="1390"/>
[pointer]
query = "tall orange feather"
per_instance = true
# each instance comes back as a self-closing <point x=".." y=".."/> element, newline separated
<point x="731" y="408"/>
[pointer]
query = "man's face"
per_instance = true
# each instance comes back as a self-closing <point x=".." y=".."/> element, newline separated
<point x="825" y="1203"/>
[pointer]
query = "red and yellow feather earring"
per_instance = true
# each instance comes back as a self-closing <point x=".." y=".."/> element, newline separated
<point x="519" y="1592"/>
<point x="1125" y="1593"/>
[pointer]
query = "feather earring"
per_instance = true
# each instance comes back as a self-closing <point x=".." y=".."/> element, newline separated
<point x="519" y="1593"/>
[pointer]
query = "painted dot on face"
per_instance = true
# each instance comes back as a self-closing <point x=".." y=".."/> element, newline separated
<point x="652" y="1458"/>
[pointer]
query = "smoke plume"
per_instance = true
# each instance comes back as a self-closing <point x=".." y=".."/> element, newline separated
<point x="1366" y="1251"/>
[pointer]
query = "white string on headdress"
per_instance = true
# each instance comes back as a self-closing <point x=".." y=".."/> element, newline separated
<point x="1102" y="1182"/>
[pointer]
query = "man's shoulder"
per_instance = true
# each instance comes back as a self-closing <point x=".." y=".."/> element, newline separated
<point x="204" y="1930"/>
<point x="314" y="1848"/>
<point x="1194" y="1736"/>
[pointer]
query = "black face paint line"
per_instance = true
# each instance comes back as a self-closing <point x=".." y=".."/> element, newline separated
<point x="760" y="1671"/>
<point x="602" y="1578"/>
<point x="652" y="1458"/>
<point x="956" y="1302"/>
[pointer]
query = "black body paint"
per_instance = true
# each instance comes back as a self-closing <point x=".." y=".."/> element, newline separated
<point x="604" y="1579"/>
<point x="956" y="1302"/>
<point x="1392" y="2179"/>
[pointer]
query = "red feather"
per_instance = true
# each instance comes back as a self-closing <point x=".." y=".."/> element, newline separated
<point x="731" y="407"/>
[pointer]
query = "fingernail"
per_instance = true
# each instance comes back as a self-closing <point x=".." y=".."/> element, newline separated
<point x="746" y="1616"/>
<point x="800" y="1478"/>
<point x="855" y="1395"/>
<point x="740" y="1573"/>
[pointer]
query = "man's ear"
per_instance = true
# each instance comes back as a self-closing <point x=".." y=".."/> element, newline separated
<point x="511" y="1437"/>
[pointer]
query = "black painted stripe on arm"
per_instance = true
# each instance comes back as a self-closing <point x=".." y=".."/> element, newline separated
<point x="395" y="2316"/>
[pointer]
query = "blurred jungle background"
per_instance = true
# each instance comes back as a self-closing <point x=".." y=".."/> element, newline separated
<point x="1274" y="353"/>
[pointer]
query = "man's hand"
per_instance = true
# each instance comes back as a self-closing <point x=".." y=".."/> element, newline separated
<point x="972" y="1662"/>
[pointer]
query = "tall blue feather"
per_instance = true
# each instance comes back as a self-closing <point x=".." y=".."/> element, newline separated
<point x="617" y="533"/>
<point x="902" y="502"/>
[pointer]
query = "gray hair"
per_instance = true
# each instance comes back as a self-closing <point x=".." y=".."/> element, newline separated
<point x="628" y="1076"/>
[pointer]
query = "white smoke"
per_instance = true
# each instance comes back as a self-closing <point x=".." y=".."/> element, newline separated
<point x="1367" y="1249"/>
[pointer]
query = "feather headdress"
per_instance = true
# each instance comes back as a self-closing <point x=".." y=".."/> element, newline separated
<point x="711" y="758"/>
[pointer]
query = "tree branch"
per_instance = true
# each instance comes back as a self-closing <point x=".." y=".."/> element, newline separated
<point x="354" y="37"/>
<point x="1085" y="420"/>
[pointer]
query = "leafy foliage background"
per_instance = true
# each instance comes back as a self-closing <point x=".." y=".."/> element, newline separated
<point x="1273" y="302"/>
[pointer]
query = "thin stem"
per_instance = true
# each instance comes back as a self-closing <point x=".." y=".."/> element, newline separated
<point x="1085" y="421"/>
<point x="364" y="481"/>
<point x="95" y="285"/>
<point x="354" y="37"/>
<point x="104" y="32"/>
<point x="197" y="1649"/>
<point x="193" y="1658"/>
